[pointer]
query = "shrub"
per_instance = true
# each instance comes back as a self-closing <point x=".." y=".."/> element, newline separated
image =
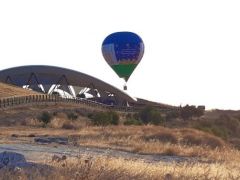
<point x="136" y="116"/>
<point x="150" y="115"/>
<point x="170" y="152"/>
<point x="191" y="111"/>
<point x="230" y="123"/>
<point x="213" y="142"/>
<point x="208" y="140"/>
<point x="55" y="113"/>
<point x="31" y="135"/>
<point x="100" y="119"/>
<point x="68" y="126"/>
<point x="45" y="117"/>
<point x="156" y="118"/>
<point x="213" y="129"/>
<point x="223" y="126"/>
<point x="128" y="116"/>
<point x="192" y="139"/>
<point x="219" y="131"/>
<point x="72" y="115"/>
<point x="132" y="122"/>
<point x="104" y="118"/>
<point x="90" y="115"/>
<point x="114" y="118"/>
<point x="163" y="137"/>
<point x="235" y="142"/>
<point x="172" y="115"/>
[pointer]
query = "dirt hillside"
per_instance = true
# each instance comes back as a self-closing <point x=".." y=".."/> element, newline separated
<point x="7" y="90"/>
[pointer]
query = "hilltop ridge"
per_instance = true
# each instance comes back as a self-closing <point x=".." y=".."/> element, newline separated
<point x="7" y="90"/>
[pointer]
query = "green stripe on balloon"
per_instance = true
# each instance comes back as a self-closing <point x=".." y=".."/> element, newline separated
<point x="124" y="70"/>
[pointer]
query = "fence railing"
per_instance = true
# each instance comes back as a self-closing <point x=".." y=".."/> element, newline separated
<point x="15" y="101"/>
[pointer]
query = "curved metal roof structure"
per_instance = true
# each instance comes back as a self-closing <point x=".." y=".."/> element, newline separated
<point x="49" y="76"/>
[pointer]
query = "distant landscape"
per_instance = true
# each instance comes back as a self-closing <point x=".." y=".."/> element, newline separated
<point x="182" y="143"/>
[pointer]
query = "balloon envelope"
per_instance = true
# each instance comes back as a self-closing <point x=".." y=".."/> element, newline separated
<point x="123" y="51"/>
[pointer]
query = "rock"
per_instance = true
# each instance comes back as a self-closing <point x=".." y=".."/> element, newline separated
<point x="11" y="159"/>
<point x="14" y="162"/>
<point x="48" y="140"/>
<point x="42" y="140"/>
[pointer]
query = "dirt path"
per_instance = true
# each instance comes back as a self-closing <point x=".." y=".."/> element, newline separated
<point x="36" y="152"/>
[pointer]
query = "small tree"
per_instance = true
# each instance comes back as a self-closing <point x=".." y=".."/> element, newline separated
<point x="172" y="115"/>
<point x="72" y="116"/>
<point x="151" y="115"/>
<point x="191" y="111"/>
<point x="105" y="118"/>
<point x="45" y="117"/>
<point x="114" y="117"/>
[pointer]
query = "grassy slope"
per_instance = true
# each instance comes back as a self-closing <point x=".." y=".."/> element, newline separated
<point x="219" y="163"/>
<point x="223" y="124"/>
<point x="141" y="139"/>
<point x="103" y="168"/>
<point x="7" y="90"/>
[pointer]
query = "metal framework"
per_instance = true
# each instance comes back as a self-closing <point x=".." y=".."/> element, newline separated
<point x="49" y="79"/>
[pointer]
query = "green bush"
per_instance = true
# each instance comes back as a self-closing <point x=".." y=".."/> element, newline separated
<point x="45" y="117"/>
<point x="90" y="115"/>
<point x="213" y="128"/>
<point x="136" y="116"/>
<point x="72" y="116"/>
<point x="132" y="116"/>
<point x="172" y="115"/>
<point x="219" y="131"/>
<point x="150" y="115"/>
<point x="114" y="118"/>
<point x="230" y="123"/>
<point x="100" y="119"/>
<point x="223" y="126"/>
<point x="132" y="122"/>
<point x="104" y="118"/>
<point x="187" y="111"/>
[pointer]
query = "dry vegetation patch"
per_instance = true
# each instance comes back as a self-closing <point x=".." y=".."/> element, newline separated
<point x="7" y="90"/>
<point x="154" y="139"/>
<point x="103" y="168"/>
<point x="139" y="139"/>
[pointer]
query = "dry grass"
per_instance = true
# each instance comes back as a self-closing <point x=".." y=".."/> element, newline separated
<point x="7" y="90"/>
<point x="153" y="139"/>
<point x="223" y="160"/>
<point x="104" y="168"/>
<point x="218" y="163"/>
<point x="61" y="121"/>
<point x="28" y="115"/>
<point x="112" y="168"/>
<point x="139" y="139"/>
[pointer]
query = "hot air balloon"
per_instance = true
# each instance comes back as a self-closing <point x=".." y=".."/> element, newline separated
<point x="123" y="51"/>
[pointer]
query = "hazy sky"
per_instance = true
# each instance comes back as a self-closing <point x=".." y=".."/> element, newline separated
<point x="192" y="48"/>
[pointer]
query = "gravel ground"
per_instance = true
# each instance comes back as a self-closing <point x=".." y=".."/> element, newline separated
<point x="39" y="152"/>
